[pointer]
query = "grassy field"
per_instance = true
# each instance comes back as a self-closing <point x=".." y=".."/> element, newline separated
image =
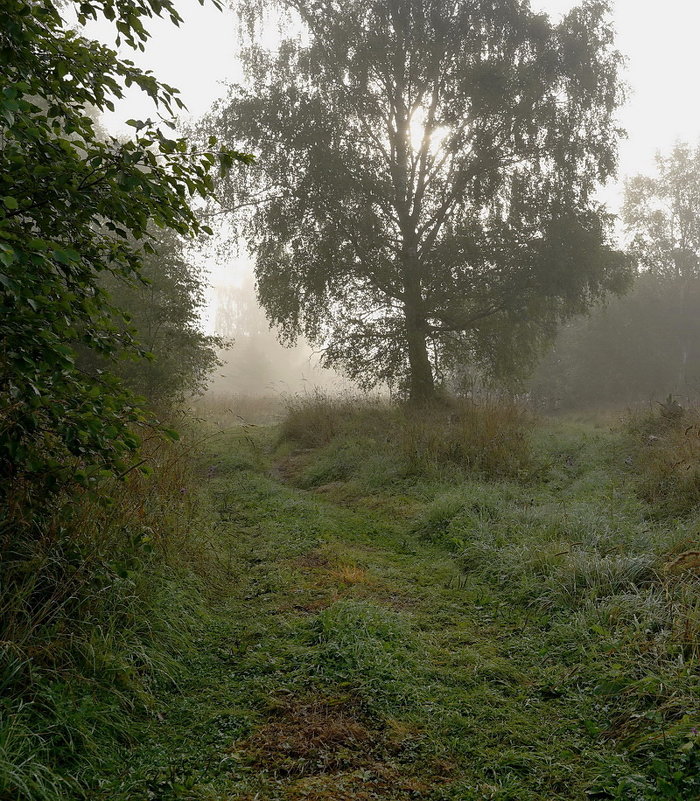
<point x="405" y="609"/>
<point x="359" y="602"/>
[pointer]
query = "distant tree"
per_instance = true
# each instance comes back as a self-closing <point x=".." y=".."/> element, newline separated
<point x="662" y="219"/>
<point x="76" y="207"/>
<point x="647" y="344"/>
<point x="626" y="351"/>
<point x="426" y="191"/>
<point x="162" y="309"/>
<point x="662" y="216"/>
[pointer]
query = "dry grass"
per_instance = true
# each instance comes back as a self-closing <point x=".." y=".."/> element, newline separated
<point x="490" y="436"/>
<point x="314" y="420"/>
<point x="311" y="736"/>
<point x="325" y="749"/>
<point x="667" y="458"/>
<point x="351" y="574"/>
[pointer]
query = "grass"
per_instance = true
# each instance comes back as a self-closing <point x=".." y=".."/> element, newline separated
<point x="378" y="442"/>
<point x="99" y="597"/>
<point x="519" y="626"/>
<point x="667" y="456"/>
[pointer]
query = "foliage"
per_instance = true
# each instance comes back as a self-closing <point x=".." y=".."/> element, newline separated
<point x="427" y="191"/>
<point x="75" y="207"/>
<point x="162" y="311"/>
<point x="635" y="349"/>
<point x="662" y="215"/>
<point x="645" y="345"/>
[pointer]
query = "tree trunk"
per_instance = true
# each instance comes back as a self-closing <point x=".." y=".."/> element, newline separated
<point x="421" y="382"/>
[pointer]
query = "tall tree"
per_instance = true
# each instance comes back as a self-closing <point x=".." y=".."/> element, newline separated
<point x="426" y="194"/>
<point x="662" y="220"/>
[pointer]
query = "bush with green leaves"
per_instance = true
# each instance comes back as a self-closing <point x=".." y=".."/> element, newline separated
<point x="74" y="207"/>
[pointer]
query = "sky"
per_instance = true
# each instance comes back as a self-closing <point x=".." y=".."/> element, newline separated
<point x="659" y="39"/>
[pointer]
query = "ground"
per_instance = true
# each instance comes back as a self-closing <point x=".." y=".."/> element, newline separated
<point x="439" y="637"/>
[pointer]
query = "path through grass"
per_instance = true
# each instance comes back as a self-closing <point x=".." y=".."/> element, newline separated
<point x="432" y="638"/>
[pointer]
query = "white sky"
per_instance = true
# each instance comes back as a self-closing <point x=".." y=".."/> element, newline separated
<point x="661" y="41"/>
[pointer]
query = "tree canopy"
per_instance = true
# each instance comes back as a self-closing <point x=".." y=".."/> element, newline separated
<point x="426" y="195"/>
<point x="74" y="207"/>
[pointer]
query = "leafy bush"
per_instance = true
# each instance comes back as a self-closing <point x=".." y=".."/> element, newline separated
<point x="76" y="207"/>
<point x="91" y="612"/>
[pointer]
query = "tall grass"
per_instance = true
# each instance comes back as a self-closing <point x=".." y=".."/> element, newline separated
<point x="97" y="598"/>
<point x="666" y="457"/>
<point x="230" y="410"/>
<point x="489" y="437"/>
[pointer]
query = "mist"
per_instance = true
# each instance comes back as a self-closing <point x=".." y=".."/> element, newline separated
<point x="254" y="361"/>
<point x="350" y="415"/>
<point x="655" y="116"/>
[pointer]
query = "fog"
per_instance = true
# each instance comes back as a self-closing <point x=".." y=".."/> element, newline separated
<point x="662" y="69"/>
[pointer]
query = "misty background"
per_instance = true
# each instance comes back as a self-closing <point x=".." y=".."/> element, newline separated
<point x="631" y="349"/>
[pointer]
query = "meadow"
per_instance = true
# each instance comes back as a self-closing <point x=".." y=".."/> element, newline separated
<point x="362" y="602"/>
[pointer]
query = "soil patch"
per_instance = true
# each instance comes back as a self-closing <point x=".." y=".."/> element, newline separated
<point x="312" y="737"/>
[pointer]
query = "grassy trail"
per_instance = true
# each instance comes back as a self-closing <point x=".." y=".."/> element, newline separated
<point x="348" y="657"/>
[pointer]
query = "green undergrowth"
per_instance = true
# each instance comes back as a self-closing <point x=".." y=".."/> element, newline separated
<point x="436" y="635"/>
<point x="99" y="599"/>
<point x="443" y="633"/>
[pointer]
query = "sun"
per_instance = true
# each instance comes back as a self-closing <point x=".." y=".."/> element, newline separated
<point x="418" y="129"/>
